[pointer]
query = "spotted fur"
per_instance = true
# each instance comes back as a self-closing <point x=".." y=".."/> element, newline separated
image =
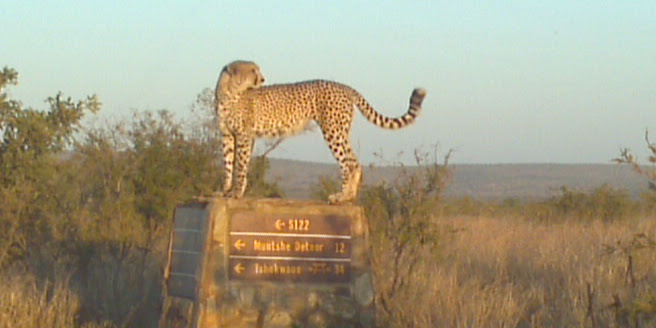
<point x="248" y="110"/>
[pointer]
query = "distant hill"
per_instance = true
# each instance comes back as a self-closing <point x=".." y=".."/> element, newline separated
<point x="479" y="181"/>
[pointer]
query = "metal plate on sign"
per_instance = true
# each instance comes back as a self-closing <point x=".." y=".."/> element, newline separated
<point x="186" y="250"/>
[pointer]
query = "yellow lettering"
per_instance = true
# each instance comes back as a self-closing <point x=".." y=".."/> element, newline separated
<point x="271" y="246"/>
<point x="340" y="247"/>
<point x="307" y="247"/>
<point x="298" y="224"/>
<point x="319" y="268"/>
<point x="278" y="270"/>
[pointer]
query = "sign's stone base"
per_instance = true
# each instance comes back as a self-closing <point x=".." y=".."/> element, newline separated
<point x="280" y="263"/>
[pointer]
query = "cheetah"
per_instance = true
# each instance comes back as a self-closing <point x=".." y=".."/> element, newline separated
<point x="247" y="110"/>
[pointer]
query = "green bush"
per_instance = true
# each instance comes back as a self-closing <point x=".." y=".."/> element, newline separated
<point x="257" y="185"/>
<point x="90" y="209"/>
<point x="604" y="203"/>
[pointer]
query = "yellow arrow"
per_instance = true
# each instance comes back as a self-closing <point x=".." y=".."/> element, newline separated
<point x="240" y="244"/>
<point x="239" y="268"/>
<point x="279" y="225"/>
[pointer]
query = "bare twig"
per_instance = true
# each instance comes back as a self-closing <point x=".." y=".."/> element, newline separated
<point x="627" y="158"/>
<point x="272" y="146"/>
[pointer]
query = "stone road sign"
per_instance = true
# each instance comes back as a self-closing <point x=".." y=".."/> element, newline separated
<point x="269" y="263"/>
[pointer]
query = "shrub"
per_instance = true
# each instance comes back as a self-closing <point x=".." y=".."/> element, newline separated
<point x="604" y="203"/>
<point x="403" y="232"/>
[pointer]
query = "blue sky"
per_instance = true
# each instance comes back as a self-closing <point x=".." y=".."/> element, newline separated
<point x="511" y="81"/>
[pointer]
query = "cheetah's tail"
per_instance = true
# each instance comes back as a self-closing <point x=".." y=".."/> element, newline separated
<point x="393" y="123"/>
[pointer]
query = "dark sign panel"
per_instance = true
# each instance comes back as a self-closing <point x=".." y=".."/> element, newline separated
<point x="285" y="245"/>
<point x="290" y="248"/>
<point x="309" y="224"/>
<point x="286" y="269"/>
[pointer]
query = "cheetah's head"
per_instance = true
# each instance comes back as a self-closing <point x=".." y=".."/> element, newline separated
<point x="240" y="76"/>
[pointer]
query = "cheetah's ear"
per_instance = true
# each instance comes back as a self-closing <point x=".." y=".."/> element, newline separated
<point x="224" y="77"/>
<point x="230" y="69"/>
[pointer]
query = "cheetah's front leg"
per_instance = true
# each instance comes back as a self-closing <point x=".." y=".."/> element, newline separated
<point x="244" y="152"/>
<point x="228" y="143"/>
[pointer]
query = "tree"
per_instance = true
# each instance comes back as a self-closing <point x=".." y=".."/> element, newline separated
<point x="28" y="137"/>
<point x="31" y="146"/>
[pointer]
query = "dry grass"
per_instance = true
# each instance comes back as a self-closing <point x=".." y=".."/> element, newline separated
<point x="489" y="272"/>
<point x="24" y="304"/>
<point x="507" y="272"/>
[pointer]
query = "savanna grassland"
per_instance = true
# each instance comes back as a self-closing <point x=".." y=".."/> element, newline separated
<point x="578" y="259"/>
<point x="513" y="272"/>
<point x="86" y="210"/>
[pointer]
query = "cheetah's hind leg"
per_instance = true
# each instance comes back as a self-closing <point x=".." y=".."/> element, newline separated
<point x="352" y="177"/>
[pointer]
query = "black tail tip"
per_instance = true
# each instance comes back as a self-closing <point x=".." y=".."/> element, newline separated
<point x="418" y="95"/>
<point x="421" y="92"/>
